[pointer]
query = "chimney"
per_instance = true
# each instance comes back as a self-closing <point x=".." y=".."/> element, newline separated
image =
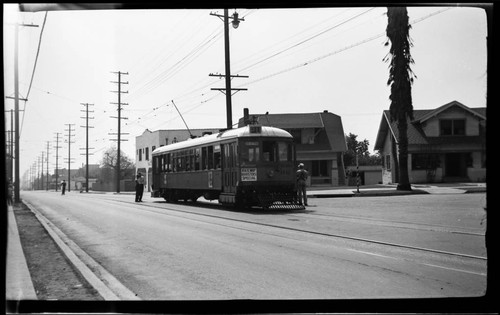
<point x="246" y="117"/>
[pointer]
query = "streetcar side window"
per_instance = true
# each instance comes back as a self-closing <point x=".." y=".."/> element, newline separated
<point x="217" y="156"/>
<point x="197" y="159"/>
<point x="180" y="162"/>
<point x="204" y="163"/>
<point x="166" y="163"/>
<point x="210" y="157"/>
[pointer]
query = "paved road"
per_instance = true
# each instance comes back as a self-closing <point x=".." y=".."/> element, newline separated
<point x="334" y="249"/>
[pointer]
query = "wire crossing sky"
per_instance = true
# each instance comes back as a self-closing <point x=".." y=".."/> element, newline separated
<point x="297" y="61"/>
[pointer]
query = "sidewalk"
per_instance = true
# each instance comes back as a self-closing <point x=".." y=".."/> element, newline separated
<point x="18" y="284"/>
<point x="391" y="190"/>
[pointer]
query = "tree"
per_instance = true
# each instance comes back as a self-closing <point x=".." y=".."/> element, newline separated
<point x="108" y="161"/>
<point x="361" y="149"/>
<point x="400" y="80"/>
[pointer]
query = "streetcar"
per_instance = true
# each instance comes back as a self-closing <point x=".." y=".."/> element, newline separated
<point x="248" y="166"/>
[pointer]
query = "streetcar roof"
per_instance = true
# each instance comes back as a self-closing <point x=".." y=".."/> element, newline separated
<point x="224" y="135"/>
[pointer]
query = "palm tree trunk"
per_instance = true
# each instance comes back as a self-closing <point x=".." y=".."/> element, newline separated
<point x="404" y="180"/>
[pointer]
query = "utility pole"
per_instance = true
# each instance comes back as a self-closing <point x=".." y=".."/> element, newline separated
<point x="87" y="142"/>
<point x="11" y="144"/>
<point x="228" y="90"/>
<point x="38" y="174"/>
<point x="47" y="188"/>
<point x="119" y="140"/>
<point x="69" y="154"/>
<point x="41" y="169"/>
<point x="17" y="197"/>
<point x="57" y="147"/>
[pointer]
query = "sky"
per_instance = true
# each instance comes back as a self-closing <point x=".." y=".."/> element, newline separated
<point x="297" y="61"/>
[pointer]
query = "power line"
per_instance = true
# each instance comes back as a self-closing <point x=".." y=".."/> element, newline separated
<point x="306" y="63"/>
<point x="34" y="68"/>
<point x="307" y="39"/>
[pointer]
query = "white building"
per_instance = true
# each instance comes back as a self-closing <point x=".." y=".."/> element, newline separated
<point x="146" y="143"/>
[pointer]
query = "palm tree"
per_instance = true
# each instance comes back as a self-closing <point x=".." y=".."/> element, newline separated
<point x="400" y="79"/>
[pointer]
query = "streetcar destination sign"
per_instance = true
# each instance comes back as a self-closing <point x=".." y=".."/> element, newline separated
<point x="249" y="174"/>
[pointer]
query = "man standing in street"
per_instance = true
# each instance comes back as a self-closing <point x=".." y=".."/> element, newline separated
<point x="63" y="187"/>
<point x="139" y="187"/>
<point x="301" y="176"/>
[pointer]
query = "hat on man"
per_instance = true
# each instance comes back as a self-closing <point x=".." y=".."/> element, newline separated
<point x="301" y="165"/>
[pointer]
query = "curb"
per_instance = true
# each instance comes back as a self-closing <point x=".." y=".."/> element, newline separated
<point x="98" y="277"/>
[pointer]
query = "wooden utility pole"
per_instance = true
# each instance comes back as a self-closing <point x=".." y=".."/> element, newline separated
<point x="119" y="140"/>
<point x="17" y="197"/>
<point x="87" y="142"/>
<point x="47" y="188"/>
<point x="69" y="155"/>
<point x="228" y="90"/>
<point x="57" y="147"/>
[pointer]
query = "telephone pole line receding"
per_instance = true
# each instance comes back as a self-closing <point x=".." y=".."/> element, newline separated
<point x="47" y="188"/>
<point x="119" y="140"/>
<point x="87" y="142"/>
<point x="69" y="130"/>
<point x="57" y="147"/>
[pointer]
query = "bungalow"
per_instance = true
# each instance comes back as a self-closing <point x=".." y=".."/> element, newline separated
<point x="446" y="144"/>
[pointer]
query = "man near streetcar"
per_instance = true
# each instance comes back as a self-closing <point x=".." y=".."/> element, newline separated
<point x="139" y="187"/>
<point x="63" y="187"/>
<point x="301" y="177"/>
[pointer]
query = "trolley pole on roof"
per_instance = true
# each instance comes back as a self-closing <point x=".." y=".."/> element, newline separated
<point x="190" y="134"/>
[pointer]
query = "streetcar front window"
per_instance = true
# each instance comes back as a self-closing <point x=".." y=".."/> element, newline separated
<point x="283" y="151"/>
<point x="274" y="151"/>
<point x="269" y="151"/>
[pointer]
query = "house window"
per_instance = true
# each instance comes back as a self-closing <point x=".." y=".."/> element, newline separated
<point x="452" y="127"/>
<point x="424" y="161"/>
<point x="319" y="168"/>
<point x="147" y="154"/>
<point x="140" y="154"/>
<point x="388" y="162"/>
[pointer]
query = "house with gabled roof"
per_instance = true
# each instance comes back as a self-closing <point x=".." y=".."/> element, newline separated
<point x="445" y="144"/>
<point x="319" y="141"/>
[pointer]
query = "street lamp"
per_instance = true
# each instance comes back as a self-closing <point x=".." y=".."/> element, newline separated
<point x="235" y="22"/>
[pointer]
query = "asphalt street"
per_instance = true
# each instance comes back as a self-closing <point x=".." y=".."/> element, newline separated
<point x="373" y="247"/>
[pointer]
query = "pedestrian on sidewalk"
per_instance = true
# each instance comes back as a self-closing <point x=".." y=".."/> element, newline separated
<point x="63" y="187"/>
<point x="139" y="187"/>
<point x="302" y="176"/>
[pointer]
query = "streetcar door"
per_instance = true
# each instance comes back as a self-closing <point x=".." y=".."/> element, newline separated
<point x="229" y="167"/>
